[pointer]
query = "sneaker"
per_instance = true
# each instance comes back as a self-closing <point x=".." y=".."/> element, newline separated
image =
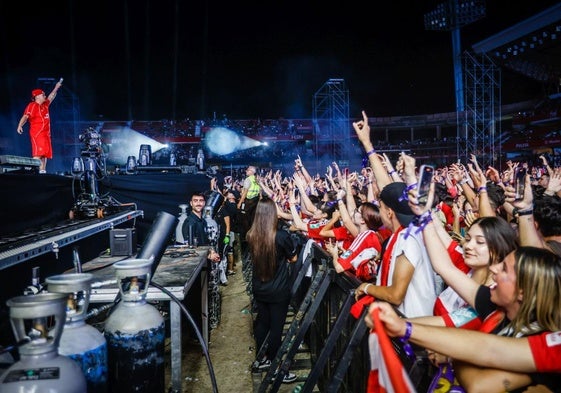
<point x="264" y="365"/>
<point x="289" y="378"/>
<point x="231" y="272"/>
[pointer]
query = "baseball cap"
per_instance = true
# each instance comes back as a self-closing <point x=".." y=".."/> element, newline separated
<point x="391" y="195"/>
<point x="36" y="92"/>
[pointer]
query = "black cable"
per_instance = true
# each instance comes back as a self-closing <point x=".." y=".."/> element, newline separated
<point x="198" y="333"/>
<point x="14" y="346"/>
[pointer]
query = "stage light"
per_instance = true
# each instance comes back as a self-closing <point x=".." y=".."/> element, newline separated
<point x="145" y="155"/>
<point x="123" y="142"/>
<point x="77" y="166"/>
<point x="223" y="141"/>
<point x="131" y="165"/>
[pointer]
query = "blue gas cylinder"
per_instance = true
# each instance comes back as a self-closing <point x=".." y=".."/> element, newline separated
<point x="135" y="333"/>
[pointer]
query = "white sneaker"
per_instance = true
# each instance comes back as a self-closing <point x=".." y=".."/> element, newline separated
<point x="42" y="171"/>
<point x="289" y="378"/>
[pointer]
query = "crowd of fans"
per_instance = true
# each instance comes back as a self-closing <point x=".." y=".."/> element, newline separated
<point x="475" y="256"/>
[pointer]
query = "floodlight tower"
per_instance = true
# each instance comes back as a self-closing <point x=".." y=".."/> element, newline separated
<point x="451" y="16"/>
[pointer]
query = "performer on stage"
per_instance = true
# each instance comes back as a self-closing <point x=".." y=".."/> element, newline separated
<point x="37" y="112"/>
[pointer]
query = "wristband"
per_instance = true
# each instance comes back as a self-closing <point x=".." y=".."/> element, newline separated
<point x="408" y="331"/>
<point x="518" y="213"/>
<point x="420" y="222"/>
<point x="365" y="289"/>
<point x="369" y="153"/>
<point x="482" y="189"/>
<point x="404" y="196"/>
<point x="404" y="340"/>
<point x="391" y="172"/>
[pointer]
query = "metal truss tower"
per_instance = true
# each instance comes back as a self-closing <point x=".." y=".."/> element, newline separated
<point x="331" y="123"/>
<point x="482" y="125"/>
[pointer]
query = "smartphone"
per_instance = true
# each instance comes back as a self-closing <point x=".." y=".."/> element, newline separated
<point x="519" y="183"/>
<point x="347" y="172"/>
<point x="425" y="178"/>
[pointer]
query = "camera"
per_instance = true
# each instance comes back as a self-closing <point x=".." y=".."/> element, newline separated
<point x="91" y="140"/>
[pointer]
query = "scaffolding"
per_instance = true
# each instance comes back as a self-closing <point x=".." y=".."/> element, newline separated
<point x="481" y="118"/>
<point x="331" y="123"/>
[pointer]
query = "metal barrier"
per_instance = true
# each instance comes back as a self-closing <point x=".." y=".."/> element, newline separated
<point x="337" y="342"/>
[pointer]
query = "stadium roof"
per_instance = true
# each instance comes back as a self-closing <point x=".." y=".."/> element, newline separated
<point x="531" y="47"/>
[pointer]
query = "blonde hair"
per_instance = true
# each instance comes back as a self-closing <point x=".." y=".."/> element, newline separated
<point x="538" y="277"/>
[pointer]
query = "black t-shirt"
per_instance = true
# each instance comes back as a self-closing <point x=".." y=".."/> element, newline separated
<point x="278" y="288"/>
<point x="231" y="210"/>
<point x="484" y="306"/>
<point x="194" y="226"/>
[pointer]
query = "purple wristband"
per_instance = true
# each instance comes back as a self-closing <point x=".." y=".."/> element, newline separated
<point x="406" y="346"/>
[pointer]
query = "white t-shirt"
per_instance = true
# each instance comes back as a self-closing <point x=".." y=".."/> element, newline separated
<point x="421" y="292"/>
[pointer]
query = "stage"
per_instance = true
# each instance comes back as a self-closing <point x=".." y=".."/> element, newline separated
<point x="32" y="201"/>
<point x="35" y="210"/>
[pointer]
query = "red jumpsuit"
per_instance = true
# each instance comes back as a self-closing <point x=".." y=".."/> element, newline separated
<point x="39" y="129"/>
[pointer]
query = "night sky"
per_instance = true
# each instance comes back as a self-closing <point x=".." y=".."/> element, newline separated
<point x="152" y="60"/>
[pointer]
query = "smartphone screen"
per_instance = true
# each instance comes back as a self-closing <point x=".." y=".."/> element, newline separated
<point x="519" y="183"/>
<point x="425" y="178"/>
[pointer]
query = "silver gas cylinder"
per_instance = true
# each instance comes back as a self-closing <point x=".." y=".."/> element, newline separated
<point x="40" y="319"/>
<point x="80" y="341"/>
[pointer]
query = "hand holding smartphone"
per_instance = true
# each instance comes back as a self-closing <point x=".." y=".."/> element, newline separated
<point x="425" y="178"/>
<point x="519" y="183"/>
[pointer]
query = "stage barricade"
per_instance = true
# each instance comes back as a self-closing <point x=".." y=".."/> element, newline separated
<point x="337" y="341"/>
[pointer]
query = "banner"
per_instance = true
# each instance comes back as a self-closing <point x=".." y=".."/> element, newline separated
<point x="387" y="374"/>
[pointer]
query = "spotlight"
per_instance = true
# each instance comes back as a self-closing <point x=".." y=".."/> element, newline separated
<point x="131" y="165"/>
<point x="77" y="166"/>
<point x="144" y="155"/>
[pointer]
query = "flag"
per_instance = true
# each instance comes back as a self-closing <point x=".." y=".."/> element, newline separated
<point x="387" y="374"/>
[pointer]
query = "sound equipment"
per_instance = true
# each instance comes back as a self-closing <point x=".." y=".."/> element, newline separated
<point x="122" y="242"/>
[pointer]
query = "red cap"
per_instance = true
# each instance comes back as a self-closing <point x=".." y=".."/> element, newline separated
<point x="36" y="92"/>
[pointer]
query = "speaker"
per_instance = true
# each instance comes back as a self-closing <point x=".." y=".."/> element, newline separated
<point x="122" y="242"/>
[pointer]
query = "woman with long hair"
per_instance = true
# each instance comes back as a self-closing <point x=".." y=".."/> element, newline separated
<point x="271" y="249"/>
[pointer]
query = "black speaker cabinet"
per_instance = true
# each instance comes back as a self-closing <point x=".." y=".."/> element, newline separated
<point x="122" y="242"/>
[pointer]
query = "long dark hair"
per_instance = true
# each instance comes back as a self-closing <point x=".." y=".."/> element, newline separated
<point x="501" y="239"/>
<point x="261" y="240"/>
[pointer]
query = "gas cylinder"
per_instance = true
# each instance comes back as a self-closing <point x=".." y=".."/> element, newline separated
<point x="135" y="333"/>
<point x="40" y="320"/>
<point x="179" y="227"/>
<point x="80" y="341"/>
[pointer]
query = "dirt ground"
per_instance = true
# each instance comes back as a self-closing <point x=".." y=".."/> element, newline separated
<point x="231" y="348"/>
